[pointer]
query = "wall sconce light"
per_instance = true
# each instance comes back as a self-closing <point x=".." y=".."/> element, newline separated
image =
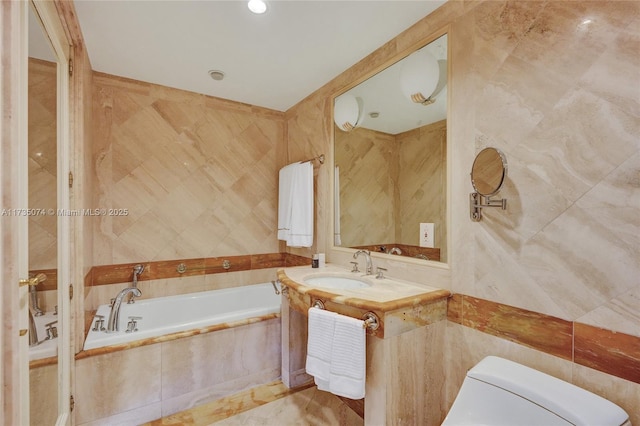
<point x="419" y="77"/>
<point x="347" y="112"/>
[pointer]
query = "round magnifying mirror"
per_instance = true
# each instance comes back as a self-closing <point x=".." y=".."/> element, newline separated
<point x="489" y="171"/>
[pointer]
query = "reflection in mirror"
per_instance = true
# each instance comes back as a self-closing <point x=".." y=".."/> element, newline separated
<point x="487" y="176"/>
<point x="488" y="171"/>
<point x="42" y="152"/>
<point x="390" y="192"/>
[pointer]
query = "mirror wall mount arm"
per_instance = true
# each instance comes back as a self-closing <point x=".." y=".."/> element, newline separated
<point x="477" y="202"/>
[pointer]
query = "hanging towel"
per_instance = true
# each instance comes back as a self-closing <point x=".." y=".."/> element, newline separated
<point x="301" y="233"/>
<point x="337" y="240"/>
<point x="319" y="342"/>
<point x="285" y="194"/>
<point x="336" y="353"/>
<point x="295" y="204"/>
<point x="348" y="358"/>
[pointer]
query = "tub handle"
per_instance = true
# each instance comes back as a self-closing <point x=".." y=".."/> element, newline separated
<point x="275" y="286"/>
<point x="52" y="332"/>
<point x="132" y="325"/>
<point x="98" y="325"/>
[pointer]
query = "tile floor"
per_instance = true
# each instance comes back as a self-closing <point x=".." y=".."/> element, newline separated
<point x="269" y="405"/>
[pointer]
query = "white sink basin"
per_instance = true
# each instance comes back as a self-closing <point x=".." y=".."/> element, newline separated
<point x="336" y="282"/>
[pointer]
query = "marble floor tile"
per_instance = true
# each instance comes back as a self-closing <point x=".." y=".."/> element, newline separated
<point x="270" y="404"/>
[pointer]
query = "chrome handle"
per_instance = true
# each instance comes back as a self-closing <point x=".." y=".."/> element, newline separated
<point x="132" y="325"/>
<point x="98" y="325"/>
<point x="355" y="267"/>
<point x="275" y="287"/>
<point x="52" y="332"/>
<point x="380" y="271"/>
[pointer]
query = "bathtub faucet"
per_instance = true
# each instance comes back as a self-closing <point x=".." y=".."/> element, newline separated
<point x="137" y="270"/>
<point x="114" y="316"/>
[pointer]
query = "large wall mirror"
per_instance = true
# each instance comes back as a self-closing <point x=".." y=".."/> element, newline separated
<point x="42" y="183"/>
<point x="47" y="152"/>
<point x="390" y="150"/>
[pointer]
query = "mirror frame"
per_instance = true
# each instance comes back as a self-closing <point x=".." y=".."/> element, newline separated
<point x="387" y="63"/>
<point x="48" y="15"/>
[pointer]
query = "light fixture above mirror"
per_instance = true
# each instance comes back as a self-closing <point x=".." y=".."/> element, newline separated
<point x="347" y="113"/>
<point x="419" y="77"/>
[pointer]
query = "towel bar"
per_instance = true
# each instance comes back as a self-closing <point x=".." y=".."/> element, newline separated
<point x="371" y="320"/>
<point x="320" y="159"/>
<point x="182" y="268"/>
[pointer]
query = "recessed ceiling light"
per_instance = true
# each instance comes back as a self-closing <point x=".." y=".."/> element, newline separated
<point x="216" y="75"/>
<point x="257" y="6"/>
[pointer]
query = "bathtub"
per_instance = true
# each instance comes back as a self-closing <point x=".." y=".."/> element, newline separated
<point x="166" y="315"/>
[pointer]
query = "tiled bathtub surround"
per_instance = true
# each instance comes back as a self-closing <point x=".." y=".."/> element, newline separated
<point x="148" y="382"/>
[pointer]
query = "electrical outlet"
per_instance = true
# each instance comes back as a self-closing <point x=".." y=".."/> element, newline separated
<point x="426" y="235"/>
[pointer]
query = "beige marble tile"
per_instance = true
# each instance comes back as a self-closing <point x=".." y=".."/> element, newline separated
<point x="308" y="407"/>
<point x="117" y="382"/>
<point x="624" y="393"/>
<point x="201" y="399"/>
<point x="43" y="395"/>
<point x="211" y="359"/>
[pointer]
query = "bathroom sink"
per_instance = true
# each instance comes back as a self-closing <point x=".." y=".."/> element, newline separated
<point x="336" y="282"/>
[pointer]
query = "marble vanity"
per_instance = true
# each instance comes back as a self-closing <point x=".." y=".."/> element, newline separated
<point x="401" y="388"/>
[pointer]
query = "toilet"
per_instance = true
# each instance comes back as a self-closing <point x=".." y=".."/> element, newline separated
<point x="501" y="392"/>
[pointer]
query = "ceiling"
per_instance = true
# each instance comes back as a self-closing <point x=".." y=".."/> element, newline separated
<point x="272" y="60"/>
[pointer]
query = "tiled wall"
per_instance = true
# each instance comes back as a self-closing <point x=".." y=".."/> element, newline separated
<point x="42" y="164"/>
<point x="195" y="176"/>
<point x="422" y="181"/>
<point x="400" y="181"/>
<point x="559" y="95"/>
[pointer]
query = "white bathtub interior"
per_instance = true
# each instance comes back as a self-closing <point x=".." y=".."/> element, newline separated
<point x="192" y="311"/>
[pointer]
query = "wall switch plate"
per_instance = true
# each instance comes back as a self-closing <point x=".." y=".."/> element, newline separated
<point x="426" y="235"/>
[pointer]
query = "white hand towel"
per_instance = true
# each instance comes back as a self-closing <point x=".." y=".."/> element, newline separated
<point x="319" y="342"/>
<point x="301" y="229"/>
<point x="348" y="358"/>
<point x="285" y="194"/>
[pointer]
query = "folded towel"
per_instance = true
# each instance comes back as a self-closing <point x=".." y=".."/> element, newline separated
<point x="348" y="358"/>
<point x="319" y="343"/>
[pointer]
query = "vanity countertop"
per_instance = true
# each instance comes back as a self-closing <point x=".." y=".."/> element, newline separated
<point x="391" y="299"/>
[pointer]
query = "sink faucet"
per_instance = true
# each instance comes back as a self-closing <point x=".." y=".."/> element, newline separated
<point x="367" y="258"/>
<point x="114" y="316"/>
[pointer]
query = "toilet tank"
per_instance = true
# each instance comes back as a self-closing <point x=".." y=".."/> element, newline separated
<point x="501" y="392"/>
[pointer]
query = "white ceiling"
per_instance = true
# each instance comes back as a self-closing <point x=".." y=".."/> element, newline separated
<point x="272" y="60"/>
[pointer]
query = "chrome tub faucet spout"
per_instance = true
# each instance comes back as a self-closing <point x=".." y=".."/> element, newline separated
<point x="114" y="316"/>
